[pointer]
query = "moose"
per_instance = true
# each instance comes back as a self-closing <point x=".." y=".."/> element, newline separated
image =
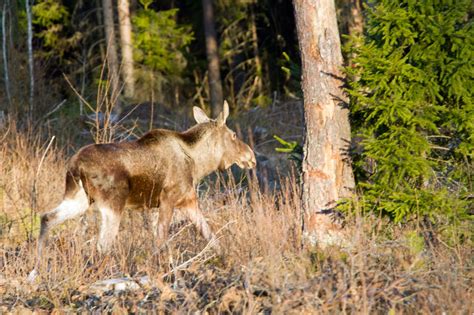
<point x="159" y="170"/>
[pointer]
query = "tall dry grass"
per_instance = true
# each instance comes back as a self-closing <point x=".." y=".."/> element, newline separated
<point x="263" y="268"/>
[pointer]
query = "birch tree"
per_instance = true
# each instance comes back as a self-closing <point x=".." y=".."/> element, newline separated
<point x="327" y="175"/>
<point x="29" y="21"/>
<point x="112" y="59"/>
<point x="126" y="46"/>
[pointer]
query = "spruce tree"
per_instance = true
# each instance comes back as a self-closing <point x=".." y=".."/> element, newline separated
<point x="411" y="86"/>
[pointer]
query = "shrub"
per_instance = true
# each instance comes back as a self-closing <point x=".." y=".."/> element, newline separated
<point x="411" y="84"/>
<point x="159" y="44"/>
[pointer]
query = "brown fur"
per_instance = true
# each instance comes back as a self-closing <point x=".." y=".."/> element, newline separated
<point x="159" y="170"/>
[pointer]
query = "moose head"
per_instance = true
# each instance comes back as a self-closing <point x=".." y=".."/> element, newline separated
<point x="226" y="146"/>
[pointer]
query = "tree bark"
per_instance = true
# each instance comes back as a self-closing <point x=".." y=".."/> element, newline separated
<point x="327" y="173"/>
<point x="126" y="45"/>
<point x="258" y="63"/>
<point x="112" y="60"/>
<point x="5" y="54"/>
<point x="212" y="50"/>
<point x="29" y="20"/>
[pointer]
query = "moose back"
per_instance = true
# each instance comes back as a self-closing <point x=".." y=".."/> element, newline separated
<point x="159" y="170"/>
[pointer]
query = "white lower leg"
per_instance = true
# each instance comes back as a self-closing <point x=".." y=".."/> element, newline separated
<point x="155" y="219"/>
<point x="68" y="209"/>
<point x="109" y="229"/>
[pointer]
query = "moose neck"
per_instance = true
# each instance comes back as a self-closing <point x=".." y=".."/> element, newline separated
<point x="205" y="150"/>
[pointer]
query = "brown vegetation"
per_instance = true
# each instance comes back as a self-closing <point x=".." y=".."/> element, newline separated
<point x="263" y="269"/>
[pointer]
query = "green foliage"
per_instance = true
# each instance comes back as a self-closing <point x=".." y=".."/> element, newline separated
<point x="294" y="151"/>
<point x="52" y="18"/>
<point x="49" y="13"/>
<point x="159" y="43"/>
<point x="415" y="242"/>
<point x="411" y="85"/>
<point x="292" y="71"/>
<point x="416" y="246"/>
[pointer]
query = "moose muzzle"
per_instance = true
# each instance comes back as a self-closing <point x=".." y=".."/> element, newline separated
<point x="247" y="159"/>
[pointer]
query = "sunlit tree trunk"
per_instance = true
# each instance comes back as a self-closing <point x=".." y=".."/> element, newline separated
<point x="327" y="175"/>
<point x="126" y="45"/>
<point x="29" y="21"/>
<point x="215" y="84"/>
<point x="112" y="59"/>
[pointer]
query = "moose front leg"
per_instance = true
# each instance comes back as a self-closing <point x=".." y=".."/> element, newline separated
<point x="190" y="208"/>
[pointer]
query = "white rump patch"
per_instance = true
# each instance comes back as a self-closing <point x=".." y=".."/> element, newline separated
<point x="70" y="208"/>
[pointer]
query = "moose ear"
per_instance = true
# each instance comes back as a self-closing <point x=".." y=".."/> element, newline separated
<point x="200" y="116"/>
<point x="223" y="116"/>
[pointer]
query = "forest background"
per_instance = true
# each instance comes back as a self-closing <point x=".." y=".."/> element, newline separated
<point x="66" y="71"/>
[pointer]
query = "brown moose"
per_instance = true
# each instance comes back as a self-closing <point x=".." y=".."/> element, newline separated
<point x="159" y="170"/>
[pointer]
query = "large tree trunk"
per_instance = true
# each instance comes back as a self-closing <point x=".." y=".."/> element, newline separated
<point x="112" y="59"/>
<point x="215" y="84"/>
<point x="327" y="173"/>
<point x="126" y="45"/>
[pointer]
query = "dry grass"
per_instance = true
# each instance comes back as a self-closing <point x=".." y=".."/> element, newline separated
<point x="263" y="269"/>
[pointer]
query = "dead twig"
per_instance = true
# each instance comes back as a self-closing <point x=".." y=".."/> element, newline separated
<point x="210" y="244"/>
<point x="34" y="188"/>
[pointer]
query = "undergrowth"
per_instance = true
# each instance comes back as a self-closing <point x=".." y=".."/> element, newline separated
<point x="386" y="268"/>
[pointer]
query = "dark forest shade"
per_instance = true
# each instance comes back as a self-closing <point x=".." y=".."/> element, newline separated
<point x="212" y="50"/>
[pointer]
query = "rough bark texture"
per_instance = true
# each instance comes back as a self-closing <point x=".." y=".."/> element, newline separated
<point x="327" y="175"/>
<point x="258" y="63"/>
<point x="112" y="59"/>
<point x="215" y="84"/>
<point x="29" y="20"/>
<point x="5" y="54"/>
<point x="126" y="45"/>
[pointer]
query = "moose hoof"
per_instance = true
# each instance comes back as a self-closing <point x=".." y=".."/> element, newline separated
<point x="32" y="276"/>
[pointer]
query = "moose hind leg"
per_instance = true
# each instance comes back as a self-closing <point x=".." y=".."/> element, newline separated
<point x="109" y="228"/>
<point x="162" y="222"/>
<point x="155" y="220"/>
<point x="69" y="208"/>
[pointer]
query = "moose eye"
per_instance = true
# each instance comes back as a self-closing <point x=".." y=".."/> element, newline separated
<point x="234" y="136"/>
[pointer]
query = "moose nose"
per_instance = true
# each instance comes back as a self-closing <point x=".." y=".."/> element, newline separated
<point x="251" y="160"/>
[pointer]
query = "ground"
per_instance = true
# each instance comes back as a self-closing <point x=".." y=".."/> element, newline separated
<point x="415" y="267"/>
